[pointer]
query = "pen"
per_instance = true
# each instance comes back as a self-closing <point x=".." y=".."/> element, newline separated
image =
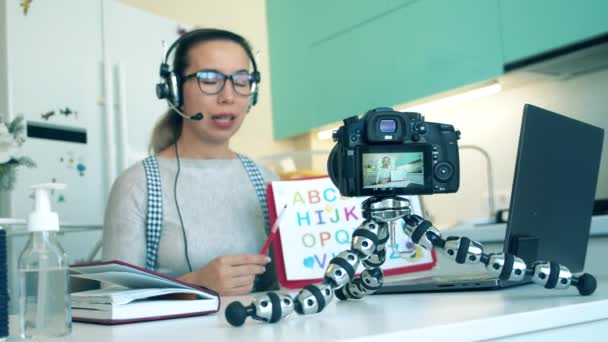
<point x="273" y="231"/>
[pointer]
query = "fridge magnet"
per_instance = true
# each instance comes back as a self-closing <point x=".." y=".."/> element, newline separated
<point x="81" y="168"/>
<point x="46" y="116"/>
<point x="57" y="196"/>
<point x="67" y="112"/>
<point x="25" y="4"/>
<point x="67" y="160"/>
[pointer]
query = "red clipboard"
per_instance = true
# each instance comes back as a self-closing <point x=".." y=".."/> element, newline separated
<point x="279" y="253"/>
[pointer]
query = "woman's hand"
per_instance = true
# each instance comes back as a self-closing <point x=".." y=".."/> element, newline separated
<point x="229" y="275"/>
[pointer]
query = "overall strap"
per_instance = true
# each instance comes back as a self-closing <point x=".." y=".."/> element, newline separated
<point x="257" y="180"/>
<point x="154" y="214"/>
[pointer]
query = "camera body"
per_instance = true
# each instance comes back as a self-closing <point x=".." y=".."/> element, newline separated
<point x="386" y="152"/>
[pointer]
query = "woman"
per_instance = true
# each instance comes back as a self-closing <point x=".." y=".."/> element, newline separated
<point x="383" y="175"/>
<point x="212" y="223"/>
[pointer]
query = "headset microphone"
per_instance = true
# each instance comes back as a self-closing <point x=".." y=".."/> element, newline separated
<point x="196" y="117"/>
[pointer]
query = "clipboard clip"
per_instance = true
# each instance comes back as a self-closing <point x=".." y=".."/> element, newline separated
<point x="404" y="254"/>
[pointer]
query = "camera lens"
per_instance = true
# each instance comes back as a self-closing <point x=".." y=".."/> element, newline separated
<point x="388" y="126"/>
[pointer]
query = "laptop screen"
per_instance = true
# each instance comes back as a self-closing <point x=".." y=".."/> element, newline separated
<point x="554" y="185"/>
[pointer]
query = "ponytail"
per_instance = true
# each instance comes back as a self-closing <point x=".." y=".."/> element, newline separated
<point x="166" y="132"/>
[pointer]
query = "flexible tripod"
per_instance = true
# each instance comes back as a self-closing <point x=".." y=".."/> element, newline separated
<point x="368" y="247"/>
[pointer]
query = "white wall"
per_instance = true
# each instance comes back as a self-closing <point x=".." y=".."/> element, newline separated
<point x="3" y="65"/>
<point x="247" y="18"/>
<point x="4" y="105"/>
<point x="493" y="123"/>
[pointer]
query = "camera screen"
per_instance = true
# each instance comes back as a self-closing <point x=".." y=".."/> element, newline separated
<point x="393" y="170"/>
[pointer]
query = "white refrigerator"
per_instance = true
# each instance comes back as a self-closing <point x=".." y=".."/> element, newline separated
<point x="83" y="71"/>
<point x="83" y="74"/>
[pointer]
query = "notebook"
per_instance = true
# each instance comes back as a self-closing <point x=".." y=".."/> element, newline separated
<point x="133" y="294"/>
<point x="552" y="197"/>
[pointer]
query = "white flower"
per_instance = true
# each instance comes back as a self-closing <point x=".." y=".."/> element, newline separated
<point x="5" y="135"/>
<point x="8" y="145"/>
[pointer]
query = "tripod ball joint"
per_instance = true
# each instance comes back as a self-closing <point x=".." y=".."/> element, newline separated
<point x="270" y="307"/>
<point x="371" y="280"/>
<point x="586" y="284"/>
<point x="422" y="232"/>
<point x="341" y="269"/>
<point x="552" y="275"/>
<point x="236" y="313"/>
<point x="352" y="290"/>
<point x="506" y="266"/>
<point x="365" y="239"/>
<point x="313" y="298"/>
<point x="375" y="260"/>
<point x="463" y="250"/>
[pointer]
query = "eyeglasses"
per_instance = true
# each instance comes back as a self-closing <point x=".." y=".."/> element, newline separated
<point x="212" y="82"/>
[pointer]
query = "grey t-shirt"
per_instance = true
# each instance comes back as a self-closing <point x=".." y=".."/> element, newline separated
<point x="218" y="205"/>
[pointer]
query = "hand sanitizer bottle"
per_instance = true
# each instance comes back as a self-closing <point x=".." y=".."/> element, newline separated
<point x="44" y="299"/>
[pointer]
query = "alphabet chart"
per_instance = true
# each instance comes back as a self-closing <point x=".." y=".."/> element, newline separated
<point x="318" y="224"/>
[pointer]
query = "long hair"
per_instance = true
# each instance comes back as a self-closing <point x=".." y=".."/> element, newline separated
<point x="169" y="127"/>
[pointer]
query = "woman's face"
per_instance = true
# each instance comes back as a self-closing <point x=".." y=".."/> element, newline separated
<point x="386" y="162"/>
<point x="223" y="112"/>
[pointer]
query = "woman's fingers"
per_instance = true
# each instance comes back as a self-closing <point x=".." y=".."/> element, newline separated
<point x="244" y="259"/>
<point x="245" y="270"/>
<point x="243" y="281"/>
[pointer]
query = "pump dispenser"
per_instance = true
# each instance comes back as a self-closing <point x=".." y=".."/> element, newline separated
<point x="44" y="300"/>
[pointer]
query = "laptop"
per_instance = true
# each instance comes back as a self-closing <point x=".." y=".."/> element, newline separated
<point x="552" y="197"/>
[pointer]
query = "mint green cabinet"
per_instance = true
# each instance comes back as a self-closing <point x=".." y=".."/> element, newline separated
<point x="353" y="71"/>
<point x="417" y="50"/>
<point x="333" y="17"/>
<point x="294" y="27"/>
<point x="334" y="59"/>
<point x="533" y="27"/>
<point x="289" y="37"/>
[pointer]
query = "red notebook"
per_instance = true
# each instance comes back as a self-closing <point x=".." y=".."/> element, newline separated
<point x="318" y="224"/>
<point x="134" y="294"/>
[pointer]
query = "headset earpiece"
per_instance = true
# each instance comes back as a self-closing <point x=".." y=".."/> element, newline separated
<point x="168" y="87"/>
<point x="162" y="89"/>
<point x="253" y="98"/>
<point x="176" y="92"/>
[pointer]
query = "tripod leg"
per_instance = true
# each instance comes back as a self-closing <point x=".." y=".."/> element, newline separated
<point x="372" y="277"/>
<point x="269" y="307"/>
<point x="369" y="248"/>
<point x="505" y="266"/>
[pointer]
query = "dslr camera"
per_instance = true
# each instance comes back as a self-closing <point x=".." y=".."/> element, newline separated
<point x="386" y="152"/>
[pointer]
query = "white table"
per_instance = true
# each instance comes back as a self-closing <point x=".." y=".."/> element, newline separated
<point x="522" y="313"/>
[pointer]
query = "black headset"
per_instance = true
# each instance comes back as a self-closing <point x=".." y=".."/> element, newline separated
<point x="170" y="86"/>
